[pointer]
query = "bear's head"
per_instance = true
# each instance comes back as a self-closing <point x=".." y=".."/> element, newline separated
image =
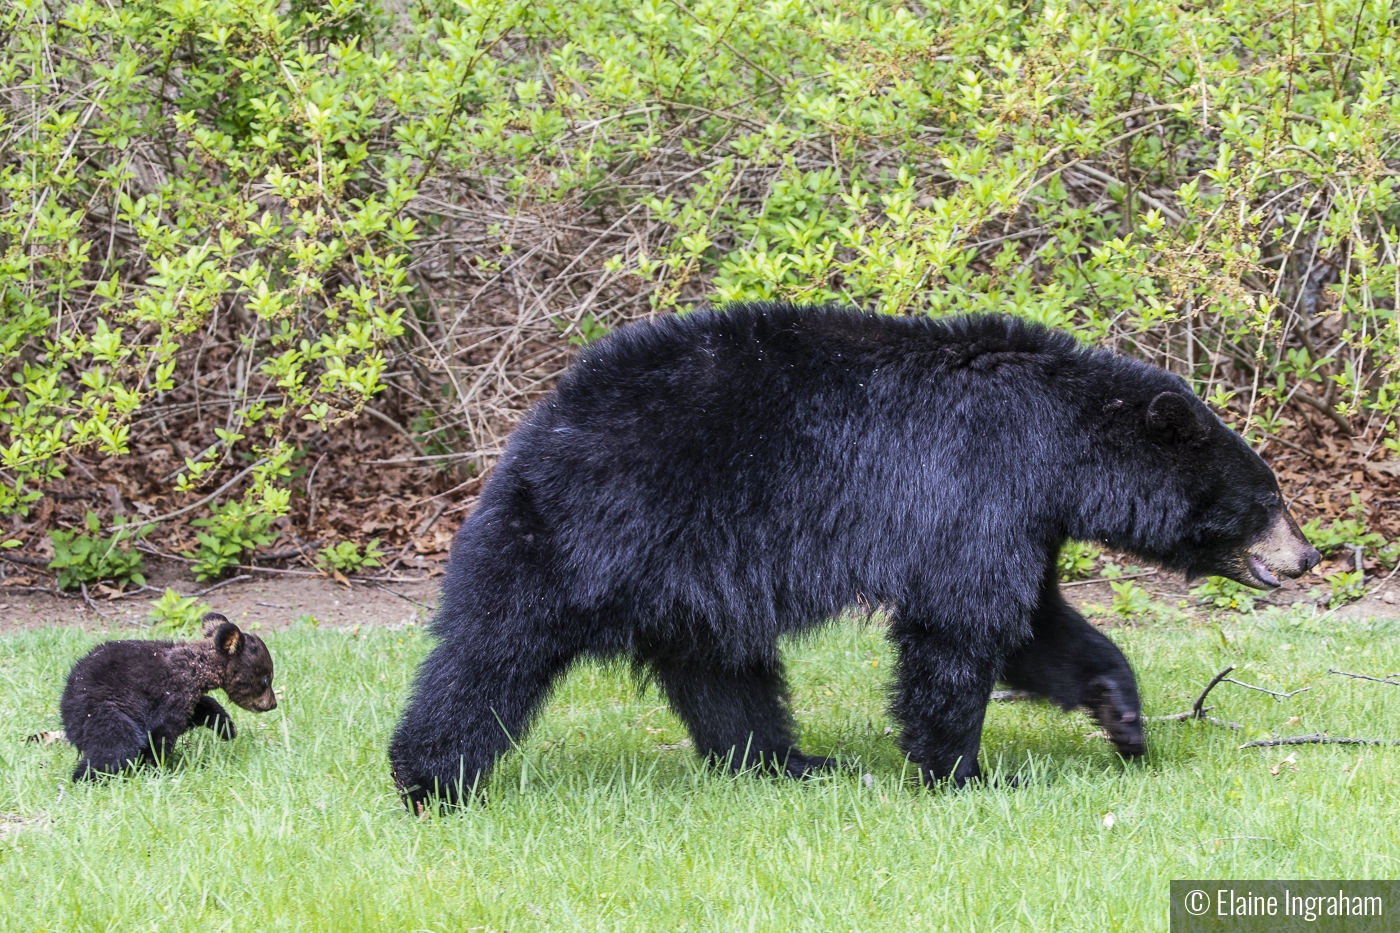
<point x="1236" y="523"/>
<point x="247" y="664"/>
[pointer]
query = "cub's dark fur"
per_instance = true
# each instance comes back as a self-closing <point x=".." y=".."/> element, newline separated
<point x="126" y="702"/>
<point x="696" y="486"/>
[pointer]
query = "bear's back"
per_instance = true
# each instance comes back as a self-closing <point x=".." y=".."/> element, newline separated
<point x="754" y="339"/>
<point x="126" y="676"/>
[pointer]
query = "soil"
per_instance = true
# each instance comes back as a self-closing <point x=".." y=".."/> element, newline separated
<point x="278" y="601"/>
<point x="268" y="601"/>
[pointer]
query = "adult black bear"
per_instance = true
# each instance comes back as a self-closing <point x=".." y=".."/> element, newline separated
<point x="126" y="702"/>
<point x="696" y="486"/>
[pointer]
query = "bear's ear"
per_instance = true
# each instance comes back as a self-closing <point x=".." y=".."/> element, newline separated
<point x="228" y="639"/>
<point x="212" y="621"/>
<point x="1173" y="418"/>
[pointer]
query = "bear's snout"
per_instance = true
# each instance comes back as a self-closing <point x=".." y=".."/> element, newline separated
<point x="1281" y="551"/>
<point x="261" y="703"/>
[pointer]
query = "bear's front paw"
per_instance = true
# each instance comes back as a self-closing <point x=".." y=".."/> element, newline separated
<point x="420" y="794"/>
<point x="799" y="765"/>
<point x="86" y="772"/>
<point x="966" y="777"/>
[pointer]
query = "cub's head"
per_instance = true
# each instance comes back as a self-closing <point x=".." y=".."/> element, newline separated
<point x="247" y="672"/>
<point x="1237" y="524"/>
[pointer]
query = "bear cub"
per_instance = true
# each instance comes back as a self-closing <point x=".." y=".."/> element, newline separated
<point x="126" y="702"/>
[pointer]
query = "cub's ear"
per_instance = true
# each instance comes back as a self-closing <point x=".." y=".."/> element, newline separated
<point x="1173" y="418"/>
<point x="228" y="638"/>
<point x="212" y="621"/>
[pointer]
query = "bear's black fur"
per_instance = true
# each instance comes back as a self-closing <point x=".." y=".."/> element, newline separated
<point x="126" y="702"/>
<point x="696" y="486"/>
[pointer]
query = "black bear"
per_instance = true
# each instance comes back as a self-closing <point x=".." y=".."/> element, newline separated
<point x="698" y="485"/>
<point x="126" y="702"/>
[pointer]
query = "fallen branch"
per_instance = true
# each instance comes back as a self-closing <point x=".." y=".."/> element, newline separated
<point x="1196" y="709"/>
<point x="1379" y="680"/>
<point x="396" y="593"/>
<point x="298" y="551"/>
<point x="223" y="583"/>
<point x="1317" y="738"/>
<point x="1191" y="714"/>
<point x="90" y="604"/>
<point x="193" y="505"/>
<point x="1273" y="693"/>
<point x="26" y="560"/>
<point x="1126" y="576"/>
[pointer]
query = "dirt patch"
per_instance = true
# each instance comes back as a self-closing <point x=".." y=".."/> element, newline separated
<point x="268" y="601"/>
<point x="277" y="601"/>
<point x="1383" y="602"/>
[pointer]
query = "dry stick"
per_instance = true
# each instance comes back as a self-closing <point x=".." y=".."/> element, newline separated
<point x="1147" y="199"/>
<point x="91" y="605"/>
<point x="1273" y="693"/>
<point x="1393" y="683"/>
<point x="1126" y="576"/>
<point x="397" y="593"/>
<point x="221" y="584"/>
<point x="190" y="508"/>
<point x="464" y="455"/>
<point x="1197" y="711"/>
<point x="1189" y="714"/>
<point x="380" y="416"/>
<point x="1317" y="738"/>
<point x="431" y="520"/>
<point x="311" y="495"/>
<point x="298" y="551"/>
<point x="278" y="570"/>
<point x="35" y="589"/>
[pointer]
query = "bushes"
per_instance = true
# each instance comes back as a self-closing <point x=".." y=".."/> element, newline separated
<point x="250" y="220"/>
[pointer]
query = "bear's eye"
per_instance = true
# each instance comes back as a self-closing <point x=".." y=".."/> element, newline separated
<point x="266" y="682"/>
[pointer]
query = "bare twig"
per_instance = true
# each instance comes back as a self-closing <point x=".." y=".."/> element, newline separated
<point x="90" y="604"/>
<point x="397" y="593"/>
<point x="1379" y="680"/>
<point x="1273" y="693"/>
<point x="1196" y="709"/>
<point x="194" y="505"/>
<point x="1317" y="738"/>
<point x="311" y="496"/>
<point x="1191" y="714"/>
<point x="1126" y="576"/>
<point x="223" y="583"/>
<point x="431" y="520"/>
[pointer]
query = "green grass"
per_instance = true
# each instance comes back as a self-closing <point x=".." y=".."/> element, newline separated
<point x="597" y="826"/>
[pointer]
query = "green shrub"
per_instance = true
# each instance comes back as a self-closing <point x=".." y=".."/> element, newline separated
<point x="179" y="615"/>
<point x="1130" y="600"/>
<point x="1347" y="586"/>
<point x="1210" y="187"/>
<point x="1078" y="559"/>
<point x="230" y="535"/>
<point x="89" y="558"/>
<point x="1344" y="533"/>
<point x="346" y="557"/>
<point x="1220" y="593"/>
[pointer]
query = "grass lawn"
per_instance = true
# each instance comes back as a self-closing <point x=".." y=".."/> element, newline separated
<point x="603" y="823"/>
